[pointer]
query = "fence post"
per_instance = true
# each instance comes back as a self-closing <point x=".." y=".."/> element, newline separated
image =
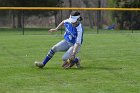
<point x="22" y="22"/>
<point x="97" y="14"/>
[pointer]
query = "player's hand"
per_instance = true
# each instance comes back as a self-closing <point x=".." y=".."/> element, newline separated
<point x="52" y="30"/>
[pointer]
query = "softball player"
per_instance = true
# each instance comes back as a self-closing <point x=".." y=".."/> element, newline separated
<point x="73" y="38"/>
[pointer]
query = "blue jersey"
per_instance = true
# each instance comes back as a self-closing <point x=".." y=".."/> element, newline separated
<point x="73" y="34"/>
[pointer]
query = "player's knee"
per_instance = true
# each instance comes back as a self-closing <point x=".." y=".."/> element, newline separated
<point x="54" y="48"/>
<point x="64" y="58"/>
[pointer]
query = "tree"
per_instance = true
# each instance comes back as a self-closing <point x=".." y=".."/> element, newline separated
<point x="28" y="3"/>
<point x="99" y="14"/>
<point x="128" y="19"/>
<point x="70" y="5"/>
<point x="86" y="2"/>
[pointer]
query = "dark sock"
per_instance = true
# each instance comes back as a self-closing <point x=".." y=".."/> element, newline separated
<point x="49" y="56"/>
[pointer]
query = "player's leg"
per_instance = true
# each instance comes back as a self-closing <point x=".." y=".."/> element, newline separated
<point x="60" y="46"/>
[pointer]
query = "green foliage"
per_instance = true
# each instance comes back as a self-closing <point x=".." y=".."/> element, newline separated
<point x="111" y="3"/>
<point x="128" y="19"/>
<point x="28" y="3"/>
<point x="110" y="65"/>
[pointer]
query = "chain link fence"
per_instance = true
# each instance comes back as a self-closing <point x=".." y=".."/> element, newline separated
<point x="93" y="21"/>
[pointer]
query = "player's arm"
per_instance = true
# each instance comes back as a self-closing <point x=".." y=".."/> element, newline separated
<point x="78" y="42"/>
<point x="75" y="48"/>
<point x="55" y="29"/>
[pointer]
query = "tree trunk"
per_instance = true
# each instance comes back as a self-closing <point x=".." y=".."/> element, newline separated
<point x="100" y="14"/>
<point x="19" y="19"/>
<point x="13" y="19"/>
<point x="86" y="2"/>
<point x="56" y="16"/>
<point x="70" y="5"/>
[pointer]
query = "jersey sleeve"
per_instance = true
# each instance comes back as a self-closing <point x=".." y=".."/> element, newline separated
<point x="79" y="38"/>
<point x="66" y="20"/>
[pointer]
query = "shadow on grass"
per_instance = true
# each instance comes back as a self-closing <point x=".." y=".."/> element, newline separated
<point x="74" y="68"/>
<point x="57" y="68"/>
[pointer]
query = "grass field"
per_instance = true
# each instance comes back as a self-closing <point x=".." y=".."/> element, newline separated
<point x="110" y="64"/>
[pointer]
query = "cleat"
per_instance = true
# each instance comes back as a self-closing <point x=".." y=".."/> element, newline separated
<point x="72" y="64"/>
<point x="39" y="64"/>
<point x="78" y="63"/>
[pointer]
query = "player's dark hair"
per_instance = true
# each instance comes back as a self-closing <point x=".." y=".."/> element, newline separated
<point x="76" y="13"/>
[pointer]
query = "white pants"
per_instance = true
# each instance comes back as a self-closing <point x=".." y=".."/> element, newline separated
<point x="64" y="46"/>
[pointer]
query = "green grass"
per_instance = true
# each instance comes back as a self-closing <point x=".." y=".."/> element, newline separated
<point x="110" y="64"/>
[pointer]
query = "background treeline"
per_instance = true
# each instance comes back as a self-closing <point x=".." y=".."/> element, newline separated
<point x="122" y="20"/>
<point x="127" y="19"/>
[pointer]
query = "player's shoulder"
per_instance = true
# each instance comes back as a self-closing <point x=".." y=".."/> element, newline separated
<point x="79" y="26"/>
